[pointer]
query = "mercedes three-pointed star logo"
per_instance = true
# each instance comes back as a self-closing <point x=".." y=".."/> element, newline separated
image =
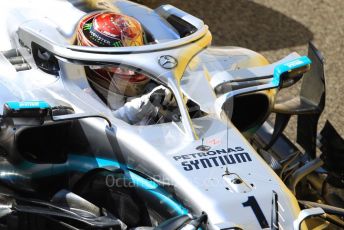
<point x="168" y="62"/>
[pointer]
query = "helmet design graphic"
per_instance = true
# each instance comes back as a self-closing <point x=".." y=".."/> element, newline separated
<point x="108" y="29"/>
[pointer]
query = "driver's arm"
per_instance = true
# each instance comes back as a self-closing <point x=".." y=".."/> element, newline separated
<point x="145" y="107"/>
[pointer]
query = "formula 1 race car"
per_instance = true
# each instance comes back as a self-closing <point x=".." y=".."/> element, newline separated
<point x="211" y="160"/>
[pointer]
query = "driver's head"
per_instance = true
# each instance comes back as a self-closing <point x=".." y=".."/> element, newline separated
<point x="107" y="29"/>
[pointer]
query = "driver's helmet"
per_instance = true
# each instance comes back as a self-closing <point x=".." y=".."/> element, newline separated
<point x="108" y="29"/>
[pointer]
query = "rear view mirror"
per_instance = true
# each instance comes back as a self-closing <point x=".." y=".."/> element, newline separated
<point x="291" y="77"/>
<point x="34" y="113"/>
<point x="289" y="73"/>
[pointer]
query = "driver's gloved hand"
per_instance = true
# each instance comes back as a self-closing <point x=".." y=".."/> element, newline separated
<point x="162" y="96"/>
<point x="143" y="109"/>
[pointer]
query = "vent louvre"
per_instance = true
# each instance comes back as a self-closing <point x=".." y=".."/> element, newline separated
<point x="16" y="59"/>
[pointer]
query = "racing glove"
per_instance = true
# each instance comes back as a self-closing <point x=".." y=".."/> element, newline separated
<point x="145" y="108"/>
<point x="162" y="96"/>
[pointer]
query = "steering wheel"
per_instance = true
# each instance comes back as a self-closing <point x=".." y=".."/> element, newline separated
<point x="166" y="113"/>
<point x="169" y="113"/>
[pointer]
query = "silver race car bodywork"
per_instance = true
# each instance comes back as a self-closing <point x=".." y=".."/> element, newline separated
<point x="207" y="159"/>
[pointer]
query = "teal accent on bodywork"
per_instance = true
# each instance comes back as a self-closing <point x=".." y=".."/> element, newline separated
<point x="137" y="180"/>
<point x="289" y="66"/>
<point x="106" y="162"/>
<point x="79" y="163"/>
<point x="83" y="164"/>
<point x="15" y="105"/>
<point x="142" y="182"/>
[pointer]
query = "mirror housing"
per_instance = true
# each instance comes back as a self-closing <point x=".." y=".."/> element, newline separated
<point x="287" y="74"/>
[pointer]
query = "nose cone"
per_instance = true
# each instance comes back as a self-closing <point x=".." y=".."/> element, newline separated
<point x="235" y="183"/>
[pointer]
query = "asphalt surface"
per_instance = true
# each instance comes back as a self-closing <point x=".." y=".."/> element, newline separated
<point x="276" y="28"/>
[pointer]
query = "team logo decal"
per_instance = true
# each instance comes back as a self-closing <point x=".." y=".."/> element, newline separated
<point x="213" y="158"/>
<point x="168" y="62"/>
